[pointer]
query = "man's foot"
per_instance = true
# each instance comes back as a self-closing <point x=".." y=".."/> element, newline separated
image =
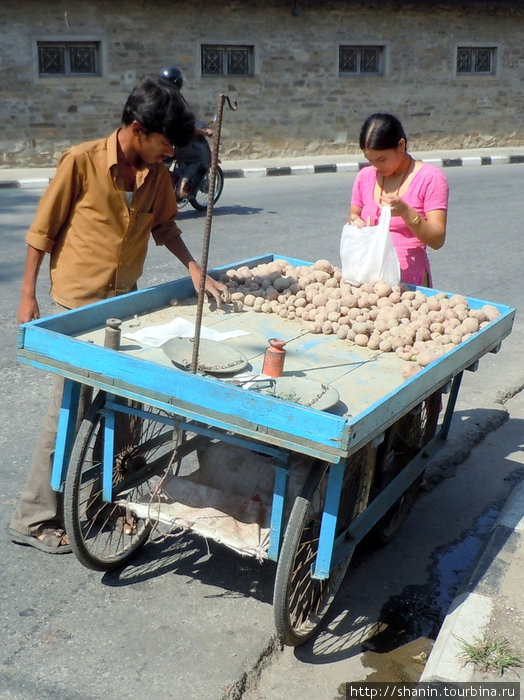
<point x="52" y="540"/>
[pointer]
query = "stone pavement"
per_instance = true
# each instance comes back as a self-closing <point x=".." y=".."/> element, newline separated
<point x="491" y="598"/>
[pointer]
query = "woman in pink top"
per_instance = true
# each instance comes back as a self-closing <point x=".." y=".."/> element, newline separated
<point x="417" y="193"/>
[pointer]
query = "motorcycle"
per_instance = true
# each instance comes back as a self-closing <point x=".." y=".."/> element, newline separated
<point x="195" y="159"/>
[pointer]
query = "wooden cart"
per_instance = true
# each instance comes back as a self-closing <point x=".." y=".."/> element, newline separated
<point x="263" y="474"/>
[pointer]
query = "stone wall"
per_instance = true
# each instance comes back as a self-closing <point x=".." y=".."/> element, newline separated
<point x="296" y="103"/>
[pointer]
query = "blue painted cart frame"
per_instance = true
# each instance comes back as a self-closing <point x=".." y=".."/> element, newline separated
<point x="207" y="406"/>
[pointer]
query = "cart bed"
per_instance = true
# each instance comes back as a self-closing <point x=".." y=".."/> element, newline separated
<point x="373" y="393"/>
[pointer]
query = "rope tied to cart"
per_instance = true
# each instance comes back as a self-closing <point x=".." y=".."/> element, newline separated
<point x="222" y="99"/>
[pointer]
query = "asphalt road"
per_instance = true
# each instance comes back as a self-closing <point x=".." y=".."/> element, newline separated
<point x="185" y="621"/>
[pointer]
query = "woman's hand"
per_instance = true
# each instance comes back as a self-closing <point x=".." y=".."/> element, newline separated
<point x="355" y="220"/>
<point x="398" y="206"/>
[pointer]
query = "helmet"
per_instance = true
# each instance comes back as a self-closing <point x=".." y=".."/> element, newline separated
<point x="174" y="75"/>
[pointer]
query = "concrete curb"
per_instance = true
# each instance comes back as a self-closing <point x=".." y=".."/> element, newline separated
<point x="355" y="166"/>
<point x="25" y="184"/>
<point x="253" y="171"/>
<point x="471" y="609"/>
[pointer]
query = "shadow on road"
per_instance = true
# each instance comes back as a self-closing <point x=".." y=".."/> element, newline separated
<point x="233" y="210"/>
<point x="210" y="563"/>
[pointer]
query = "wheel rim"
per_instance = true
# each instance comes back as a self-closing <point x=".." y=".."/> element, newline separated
<point x="104" y="535"/>
<point x="300" y="601"/>
<point x="403" y="442"/>
<point x="202" y="193"/>
<point x="310" y="598"/>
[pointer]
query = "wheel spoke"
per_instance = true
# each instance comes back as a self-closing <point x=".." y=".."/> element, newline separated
<point x="301" y="601"/>
<point x="102" y="534"/>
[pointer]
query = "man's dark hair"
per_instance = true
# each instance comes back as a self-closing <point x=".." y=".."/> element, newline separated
<point x="159" y="108"/>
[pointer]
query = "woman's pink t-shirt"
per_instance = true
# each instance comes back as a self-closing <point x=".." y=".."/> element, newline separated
<point x="427" y="191"/>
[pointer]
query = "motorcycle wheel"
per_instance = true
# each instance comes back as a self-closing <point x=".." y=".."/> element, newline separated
<point x="200" y="198"/>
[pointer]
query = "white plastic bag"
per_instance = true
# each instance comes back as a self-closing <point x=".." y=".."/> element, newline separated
<point x="367" y="254"/>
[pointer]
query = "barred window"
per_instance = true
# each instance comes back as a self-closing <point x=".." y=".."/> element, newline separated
<point x="227" y="60"/>
<point x="476" y="61"/>
<point x="361" y="60"/>
<point x="76" y="58"/>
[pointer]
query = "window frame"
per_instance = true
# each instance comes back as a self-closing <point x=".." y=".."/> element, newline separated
<point x="60" y="40"/>
<point x="382" y="58"/>
<point x="494" y="50"/>
<point x="227" y="46"/>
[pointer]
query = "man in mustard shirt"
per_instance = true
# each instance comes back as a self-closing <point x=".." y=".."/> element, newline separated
<point x="94" y="220"/>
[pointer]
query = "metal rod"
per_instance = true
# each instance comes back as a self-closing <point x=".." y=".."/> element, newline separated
<point x="207" y="232"/>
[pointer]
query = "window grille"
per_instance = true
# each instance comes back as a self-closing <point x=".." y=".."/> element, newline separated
<point x="361" y="60"/>
<point x="68" y="58"/>
<point x="475" y="61"/>
<point x="227" y="60"/>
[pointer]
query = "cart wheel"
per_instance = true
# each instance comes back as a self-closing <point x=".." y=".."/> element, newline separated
<point x="300" y="602"/>
<point x="403" y="441"/>
<point x="105" y="535"/>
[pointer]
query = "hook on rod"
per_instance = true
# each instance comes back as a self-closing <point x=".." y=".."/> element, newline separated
<point x="232" y="105"/>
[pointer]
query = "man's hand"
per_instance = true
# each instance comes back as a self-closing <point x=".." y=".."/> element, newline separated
<point x="214" y="288"/>
<point x="28" y="310"/>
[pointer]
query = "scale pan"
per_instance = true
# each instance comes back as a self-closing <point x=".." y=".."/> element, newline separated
<point x="213" y="357"/>
<point x="305" y="392"/>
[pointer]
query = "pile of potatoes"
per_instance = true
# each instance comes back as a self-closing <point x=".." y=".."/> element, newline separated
<point x="418" y="328"/>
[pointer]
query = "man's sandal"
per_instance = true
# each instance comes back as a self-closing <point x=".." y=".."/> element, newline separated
<point x="52" y="540"/>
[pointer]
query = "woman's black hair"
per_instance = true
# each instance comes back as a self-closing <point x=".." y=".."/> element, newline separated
<point x="160" y="108"/>
<point x="381" y="131"/>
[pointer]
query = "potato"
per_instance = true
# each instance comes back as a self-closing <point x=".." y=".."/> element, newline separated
<point x="321" y="276"/>
<point x="324" y="265"/>
<point x="394" y="297"/>
<point x="409" y="369"/>
<point x="333" y="305"/>
<point x="362" y="328"/>
<point x="426" y="358"/>
<point x="319" y="300"/>
<point x="470" y="325"/>
<point x="491" y="312"/>
<point x="423" y="334"/>
<point x="361" y="339"/>
<point x="382" y="289"/>
<point x="281" y="283"/>
<point x="374" y="341"/>
<point x="479" y="314"/>
<point x="401" y="311"/>
<point x="457" y="300"/>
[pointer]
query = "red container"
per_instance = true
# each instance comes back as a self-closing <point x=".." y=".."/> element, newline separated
<point x="274" y="358"/>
